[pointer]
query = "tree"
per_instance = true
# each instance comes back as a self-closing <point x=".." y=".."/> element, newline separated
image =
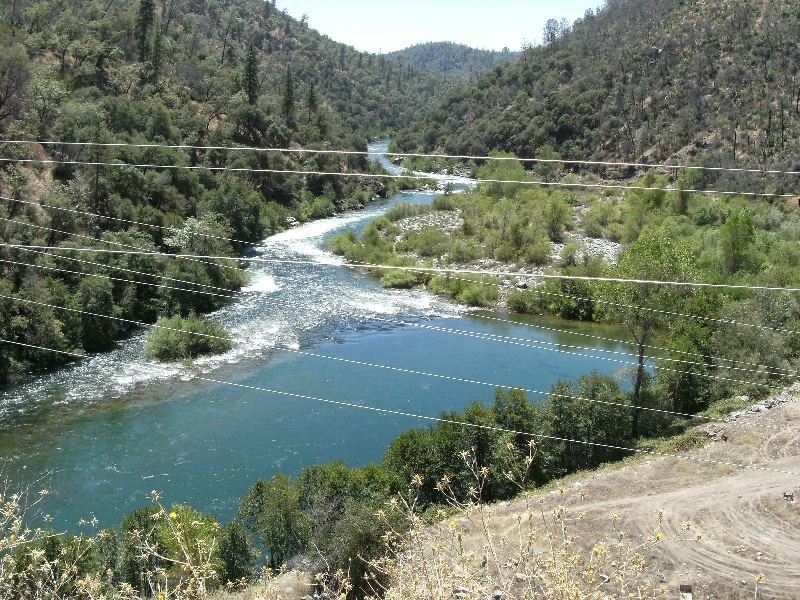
<point x="736" y="239"/>
<point x="271" y="510"/>
<point x="312" y="104"/>
<point x="644" y="307"/>
<point x="593" y="412"/>
<point x="237" y="554"/>
<point x="14" y="73"/>
<point x="145" y="16"/>
<point x="287" y="104"/>
<point x="96" y="298"/>
<point x="251" y="83"/>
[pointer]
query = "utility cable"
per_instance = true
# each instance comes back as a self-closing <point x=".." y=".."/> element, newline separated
<point x="100" y="276"/>
<point x="143" y="273"/>
<point x="554" y="184"/>
<point x="433" y="270"/>
<point x="714" y="359"/>
<point x="163" y="277"/>
<point x="32" y="347"/>
<point x="113" y="318"/>
<point x="491" y="428"/>
<point x="137" y="250"/>
<point x="450" y="272"/>
<point x="406" y="154"/>
<point x="127" y="221"/>
<point x="271" y="261"/>
<point x="506" y="387"/>
<point x="511" y="341"/>
<point x="500" y="339"/>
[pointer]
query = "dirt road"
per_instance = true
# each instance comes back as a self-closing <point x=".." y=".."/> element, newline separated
<point x="747" y="527"/>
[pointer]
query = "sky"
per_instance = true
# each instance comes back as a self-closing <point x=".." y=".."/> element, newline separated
<point x="380" y="26"/>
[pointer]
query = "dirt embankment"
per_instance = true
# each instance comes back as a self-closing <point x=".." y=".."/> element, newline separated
<point x="736" y="494"/>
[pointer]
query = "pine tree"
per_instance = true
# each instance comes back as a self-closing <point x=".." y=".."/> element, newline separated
<point x="311" y="102"/>
<point x="251" y="75"/>
<point x="144" y="21"/>
<point x="287" y="106"/>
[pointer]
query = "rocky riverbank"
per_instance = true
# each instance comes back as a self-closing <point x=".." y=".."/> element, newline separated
<point x="450" y="222"/>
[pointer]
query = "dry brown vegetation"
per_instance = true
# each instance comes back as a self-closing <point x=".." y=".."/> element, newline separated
<point x="716" y="520"/>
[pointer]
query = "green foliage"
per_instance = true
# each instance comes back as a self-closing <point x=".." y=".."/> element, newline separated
<point x="470" y="290"/>
<point x="178" y="338"/>
<point x="736" y="242"/>
<point x="452" y="59"/>
<point x="271" y="510"/>
<point x="644" y="307"/>
<point x="632" y="82"/>
<point x="211" y="76"/>
<point x="95" y="299"/>
<point x="593" y="410"/>
<point x="400" y="280"/>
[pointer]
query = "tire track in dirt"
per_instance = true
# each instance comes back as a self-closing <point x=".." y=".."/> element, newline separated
<point x="747" y="528"/>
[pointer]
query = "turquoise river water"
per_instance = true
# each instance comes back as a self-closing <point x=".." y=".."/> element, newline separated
<point x="104" y="432"/>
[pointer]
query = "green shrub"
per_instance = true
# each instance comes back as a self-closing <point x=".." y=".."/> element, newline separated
<point x="399" y="279"/>
<point x="179" y="338"/>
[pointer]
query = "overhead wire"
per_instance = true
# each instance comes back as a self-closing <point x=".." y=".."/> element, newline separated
<point x="502" y="339"/>
<point x="127" y="221"/>
<point x="492" y="428"/>
<point x="682" y="415"/>
<point x="504" y="275"/>
<point x="163" y="276"/>
<point x="764" y="370"/>
<point x="360" y="175"/>
<point x="143" y="273"/>
<point x="403" y="154"/>
<point x="119" y="279"/>
<point x="434" y="270"/>
<point x="530" y="343"/>
<point x="613" y="352"/>
<point x="572" y="332"/>
<point x="111" y="317"/>
<point x="770" y="328"/>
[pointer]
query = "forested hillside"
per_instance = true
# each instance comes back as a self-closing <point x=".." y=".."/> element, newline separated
<point x="453" y="59"/>
<point x="174" y="83"/>
<point x="706" y="81"/>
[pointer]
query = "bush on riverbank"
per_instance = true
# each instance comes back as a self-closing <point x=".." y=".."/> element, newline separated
<point x="180" y="338"/>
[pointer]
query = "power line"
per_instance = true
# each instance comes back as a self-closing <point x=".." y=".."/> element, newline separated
<point x="127" y="221"/>
<point x="594" y="300"/>
<point x="392" y="176"/>
<point x="342" y="360"/>
<point x="33" y="347"/>
<point x="506" y="387"/>
<point x="143" y="273"/>
<point x="434" y="270"/>
<point x="528" y="344"/>
<point x="492" y="428"/>
<point x="503" y="339"/>
<point x="113" y="318"/>
<point x="163" y="277"/>
<point x="137" y="250"/>
<point x="408" y="154"/>
<point x="788" y="372"/>
<point x="764" y="370"/>
<point x="100" y="276"/>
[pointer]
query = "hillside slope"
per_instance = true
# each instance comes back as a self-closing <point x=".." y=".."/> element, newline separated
<point x="452" y="59"/>
<point x="706" y="81"/>
<point x="746" y="526"/>
<point x="126" y="124"/>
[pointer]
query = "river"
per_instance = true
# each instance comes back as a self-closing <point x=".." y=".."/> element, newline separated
<point x="103" y="433"/>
